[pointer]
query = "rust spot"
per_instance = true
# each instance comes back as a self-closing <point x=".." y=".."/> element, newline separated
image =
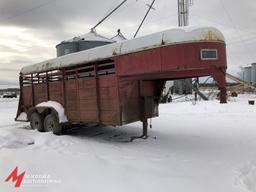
<point x="211" y="36"/>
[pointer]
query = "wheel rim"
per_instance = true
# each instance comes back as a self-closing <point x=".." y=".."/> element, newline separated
<point x="35" y="124"/>
<point x="50" y="125"/>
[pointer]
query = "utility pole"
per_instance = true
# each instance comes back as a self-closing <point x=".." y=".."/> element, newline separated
<point x="143" y="20"/>
<point x="183" y="20"/>
<point x="183" y="12"/>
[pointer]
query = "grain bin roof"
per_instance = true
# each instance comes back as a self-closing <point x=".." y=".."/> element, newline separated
<point x="172" y="36"/>
<point x="92" y="36"/>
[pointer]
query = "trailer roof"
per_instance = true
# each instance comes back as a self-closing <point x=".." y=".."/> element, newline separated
<point x="172" y="36"/>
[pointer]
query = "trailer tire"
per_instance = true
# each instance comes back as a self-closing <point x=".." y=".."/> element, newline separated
<point x="51" y="123"/>
<point x="37" y="121"/>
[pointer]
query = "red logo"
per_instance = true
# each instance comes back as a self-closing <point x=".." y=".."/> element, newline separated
<point x="15" y="177"/>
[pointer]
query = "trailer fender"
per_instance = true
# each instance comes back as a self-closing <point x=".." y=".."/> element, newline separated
<point x="48" y="107"/>
<point x="42" y="110"/>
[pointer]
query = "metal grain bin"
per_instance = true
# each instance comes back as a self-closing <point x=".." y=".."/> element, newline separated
<point x="253" y="74"/>
<point x="247" y="74"/>
<point x="81" y="43"/>
<point x="65" y="48"/>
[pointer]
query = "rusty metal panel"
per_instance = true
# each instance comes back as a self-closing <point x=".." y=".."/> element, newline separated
<point x="55" y="92"/>
<point x="86" y="83"/>
<point x="187" y="56"/>
<point x="87" y="93"/>
<point x="138" y="97"/>
<point x="108" y="92"/>
<point x="88" y="100"/>
<point x="222" y="58"/>
<point x="89" y="116"/>
<point x="174" y="57"/>
<point x="131" y="110"/>
<point x="142" y="62"/>
<point x="109" y="100"/>
<point x="73" y="116"/>
<point x="192" y="54"/>
<point x="148" y="88"/>
<point x="88" y="105"/>
<point x="150" y="107"/>
<point x="88" y="110"/>
<point x="128" y="89"/>
<point x="109" y="104"/>
<point x="107" y="80"/>
<point x="170" y="58"/>
<point x="110" y="117"/>
<point x="130" y="101"/>
<point x="27" y="96"/>
<point x="40" y="93"/>
<point x="72" y="100"/>
<point x="71" y="84"/>
<point x="72" y="103"/>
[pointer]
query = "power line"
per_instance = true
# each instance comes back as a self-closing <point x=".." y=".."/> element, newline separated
<point x="251" y="39"/>
<point x="235" y="27"/>
<point x="108" y="15"/>
<point x="149" y="9"/>
<point x="111" y="8"/>
<point x="28" y="10"/>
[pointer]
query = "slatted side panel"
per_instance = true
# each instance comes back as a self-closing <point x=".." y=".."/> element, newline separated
<point x="56" y="93"/>
<point x="72" y="100"/>
<point x="27" y="97"/>
<point x="89" y="93"/>
<point x="109" y="100"/>
<point x="40" y="93"/>
<point x="88" y="100"/>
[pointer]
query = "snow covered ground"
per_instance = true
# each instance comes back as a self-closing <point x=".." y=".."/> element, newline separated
<point x="198" y="148"/>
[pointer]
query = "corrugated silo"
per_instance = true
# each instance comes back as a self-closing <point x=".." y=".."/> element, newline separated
<point x="84" y="42"/>
<point x="247" y="74"/>
<point x="253" y="74"/>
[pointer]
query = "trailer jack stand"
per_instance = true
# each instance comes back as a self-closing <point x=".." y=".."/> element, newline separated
<point x="144" y="133"/>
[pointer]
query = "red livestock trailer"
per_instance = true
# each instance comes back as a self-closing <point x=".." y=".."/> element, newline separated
<point x="118" y="83"/>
